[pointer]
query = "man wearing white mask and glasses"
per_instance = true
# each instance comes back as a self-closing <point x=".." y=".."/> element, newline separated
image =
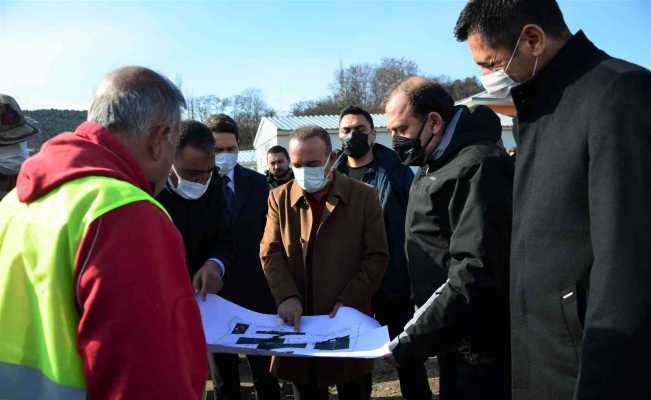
<point x="324" y="246"/>
<point x="245" y="192"/>
<point x="194" y="200"/>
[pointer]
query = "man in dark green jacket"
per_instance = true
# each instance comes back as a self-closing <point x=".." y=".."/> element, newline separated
<point x="581" y="255"/>
<point x="457" y="239"/>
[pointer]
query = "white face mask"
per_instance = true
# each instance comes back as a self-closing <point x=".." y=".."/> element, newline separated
<point x="12" y="157"/>
<point x="225" y="162"/>
<point x="187" y="189"/>
<point x="499" y="83"/>
<point x="313" y="179"/>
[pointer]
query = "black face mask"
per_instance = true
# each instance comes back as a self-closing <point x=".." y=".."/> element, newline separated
<point x="410" y="151"/>
<point x="356" y="145"/>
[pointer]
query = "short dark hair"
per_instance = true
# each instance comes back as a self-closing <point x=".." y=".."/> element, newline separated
<point x="310" y="131"/>
<point x="197" y="135"/>
<point x="500" y="22"/>
<point x="355" y="110"/>
<point x="222" y="123"/>
<point x="278" y="150"/>
<point x="425" y="96"/>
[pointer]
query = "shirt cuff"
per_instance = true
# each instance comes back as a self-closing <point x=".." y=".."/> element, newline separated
<point x="220" y="265"/>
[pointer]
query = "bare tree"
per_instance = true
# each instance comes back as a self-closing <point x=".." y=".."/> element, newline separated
<point x="248" y="108"/>
<point x="366" y="85"/>
<point x="201" y="107"/>
<point x="353" y="85"/>
<point x="386" y="74"/>
<point x="363" y="85"/>
<point x="325" y="106"/>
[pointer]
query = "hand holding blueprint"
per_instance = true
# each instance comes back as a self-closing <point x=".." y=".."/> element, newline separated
<point x="230" y="328"/>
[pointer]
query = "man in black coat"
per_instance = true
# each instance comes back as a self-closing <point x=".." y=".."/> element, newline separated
<point x="457" y="239"/>
<point x="380" y="167"/>
<point x="581" y="255"/>
<point x="193" y="197"/>
<point x="245" y="194"/>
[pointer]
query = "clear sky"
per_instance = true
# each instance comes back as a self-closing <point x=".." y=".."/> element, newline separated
<point x="54" y="53"/>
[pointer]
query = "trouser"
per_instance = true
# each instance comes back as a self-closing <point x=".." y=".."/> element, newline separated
<point x="395" y="312"/>
<point x="358" y="389"/>
<point x="485" y="380"/>
<point x="266" y="385"/>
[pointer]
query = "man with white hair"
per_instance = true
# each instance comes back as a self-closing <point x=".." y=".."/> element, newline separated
<point x="15" y="129"/>
<point x="95" y="299"/>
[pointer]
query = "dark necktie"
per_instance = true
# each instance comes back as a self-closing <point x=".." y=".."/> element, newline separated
<point x="229" y="195"/>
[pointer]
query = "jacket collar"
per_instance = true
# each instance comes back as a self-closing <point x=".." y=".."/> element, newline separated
<point x="577" y="56"/>
<point x="474" y="126"/>
<point x="339" y="190"/>
<point x="274" y="180"/>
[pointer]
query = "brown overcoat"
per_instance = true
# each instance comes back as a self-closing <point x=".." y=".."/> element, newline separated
<point x="350" y="256"/>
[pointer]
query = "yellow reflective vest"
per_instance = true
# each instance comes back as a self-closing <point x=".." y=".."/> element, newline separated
<point x="39" y="317"/>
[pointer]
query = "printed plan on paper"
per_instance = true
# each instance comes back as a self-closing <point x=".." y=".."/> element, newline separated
<point x="230" y="328"/>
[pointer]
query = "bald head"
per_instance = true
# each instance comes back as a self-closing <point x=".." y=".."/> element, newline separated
<point x="423" y="96"/>
<point x="132" y="100"/>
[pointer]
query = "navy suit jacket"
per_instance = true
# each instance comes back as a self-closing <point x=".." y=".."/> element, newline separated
<point x="244" y="282"/>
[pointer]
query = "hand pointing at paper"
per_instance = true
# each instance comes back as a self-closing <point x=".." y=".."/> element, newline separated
<point x="207" y="280"/>
<point x="290" y="311"/>
<point x="333" y="313"/>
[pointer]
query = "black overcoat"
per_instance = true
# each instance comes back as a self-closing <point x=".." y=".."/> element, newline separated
<point x="581" y="250"/>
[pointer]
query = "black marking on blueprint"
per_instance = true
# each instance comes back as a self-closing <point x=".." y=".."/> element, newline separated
<point x="274" y="346"/>
<point x="339" y="343"/>
<point x="250" y="340"/>
<point x="240" y="329"/>
<point x="279" y="333"/>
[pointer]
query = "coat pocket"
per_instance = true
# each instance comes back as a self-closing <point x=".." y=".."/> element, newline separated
<point x="569" y="307"/>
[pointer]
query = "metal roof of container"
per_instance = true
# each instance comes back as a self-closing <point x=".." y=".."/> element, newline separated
<point x="289" y="123"/>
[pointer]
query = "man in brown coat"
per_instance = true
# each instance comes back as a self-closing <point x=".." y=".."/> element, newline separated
<point x="324" y="246"/>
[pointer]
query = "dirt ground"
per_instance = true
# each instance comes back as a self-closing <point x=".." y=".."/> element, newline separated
<point x="385" y="382"/>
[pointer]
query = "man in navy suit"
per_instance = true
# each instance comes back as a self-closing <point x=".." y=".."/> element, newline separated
<point x="245" y="194"/>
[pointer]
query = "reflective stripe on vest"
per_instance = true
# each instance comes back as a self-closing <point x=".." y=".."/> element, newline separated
<point x="38" y="314"/>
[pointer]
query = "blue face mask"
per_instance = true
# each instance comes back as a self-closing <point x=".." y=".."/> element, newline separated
<point x="225" y="162"/>
<point x="313" y="179"/>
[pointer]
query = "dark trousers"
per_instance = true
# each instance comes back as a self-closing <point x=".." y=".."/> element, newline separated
<point x="395" y="312"/>
<point x="266" y="385"/>
<point x="460" y="380"/>
<point x="358" y="389"/>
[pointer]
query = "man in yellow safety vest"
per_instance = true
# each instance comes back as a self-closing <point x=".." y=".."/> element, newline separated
<point x="95" y="299"/>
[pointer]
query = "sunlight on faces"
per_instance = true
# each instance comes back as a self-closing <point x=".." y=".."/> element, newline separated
<point x="278" y="164"/>
<point x="401" y="121"/>
<point x="195" y="165"/>
<point x="492" y="59"/>
<point x="356" y="123"/>
<point x="308" y="153"/>
<point x="225" y="142"/>
<point x="162" y="147"/>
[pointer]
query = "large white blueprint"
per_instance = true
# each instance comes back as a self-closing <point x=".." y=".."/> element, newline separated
<point x="230" y="328"/>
